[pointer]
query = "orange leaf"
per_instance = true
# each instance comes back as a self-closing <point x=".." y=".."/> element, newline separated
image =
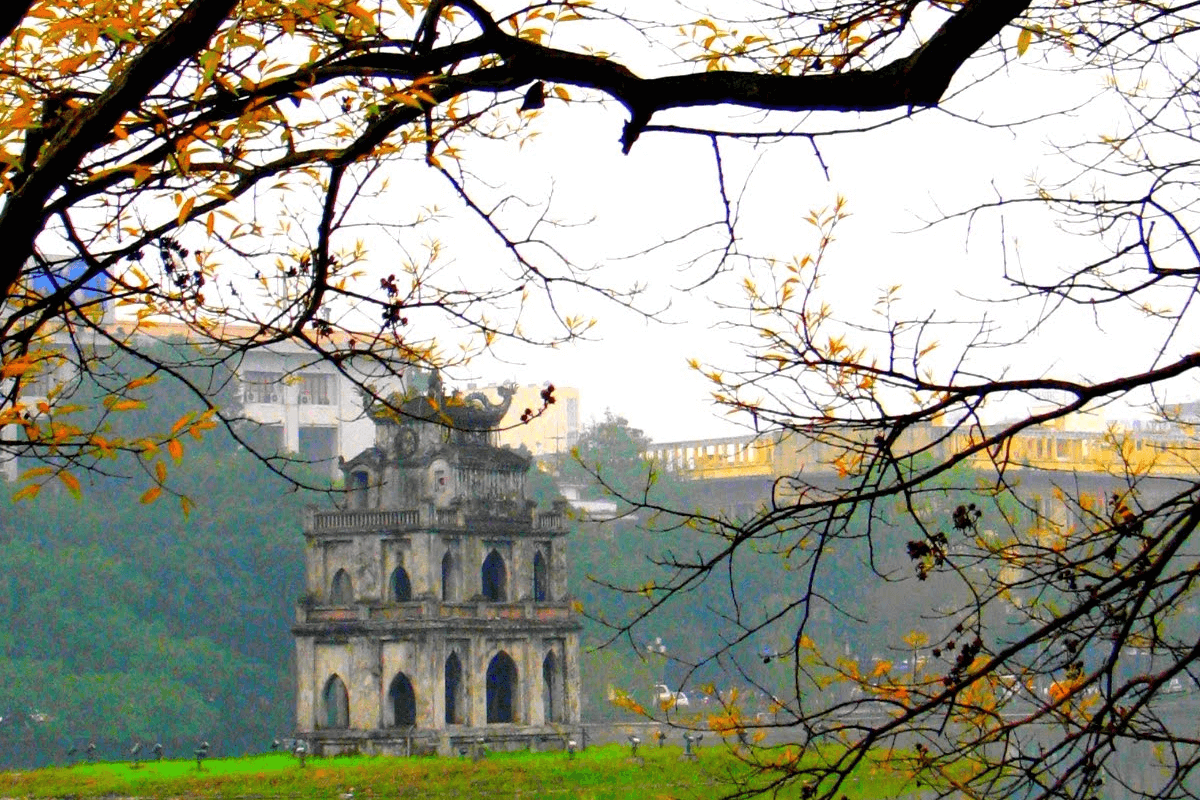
<point x="185" y="209"/>
<point x="160" y="471"/>
<point x="15" y="368"/>
<point x="175" y="448"/>
<point x="181" y="423"/>
<point x="151" y="495"/>
<point x="71" y="482"/>
<point x="27" y="492"/>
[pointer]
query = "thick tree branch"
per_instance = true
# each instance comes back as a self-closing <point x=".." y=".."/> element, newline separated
<point x="11" y="15"/>
<point x="20" y="222"/>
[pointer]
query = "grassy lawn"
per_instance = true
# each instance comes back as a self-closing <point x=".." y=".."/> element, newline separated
<point x="599" y="773"/>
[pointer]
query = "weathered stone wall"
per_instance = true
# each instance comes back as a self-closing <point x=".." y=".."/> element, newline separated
<point x="416" y="476"/>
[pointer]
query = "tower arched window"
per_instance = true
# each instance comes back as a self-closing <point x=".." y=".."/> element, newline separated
<point x="402" y="701"/>
<point x="449" y="579"/>
<point x="401" y="587"/>
<point x="552" y="700"/>
<point x="359" y="483"/>
<point x="494" y="578"/>
<point x="541" y="579"/>
<point x="455" y="699"/>
<point x="501" y="689"/>
<point x="336" y="702"/>
<point x="341" y="591"/>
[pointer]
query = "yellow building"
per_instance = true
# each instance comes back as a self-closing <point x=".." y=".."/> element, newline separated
<point x="554" y="429"/>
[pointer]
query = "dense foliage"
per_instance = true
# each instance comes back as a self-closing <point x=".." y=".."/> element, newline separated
<point x="129" y="621"/>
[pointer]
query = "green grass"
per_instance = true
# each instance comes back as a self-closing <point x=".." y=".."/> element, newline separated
<point x="600" y="773"/>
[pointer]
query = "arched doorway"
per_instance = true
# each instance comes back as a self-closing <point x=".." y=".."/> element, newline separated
<point x="402" y="701"/>
<point x="336" y="702"/>
<point x="501" y="689"/>
<point x="551" y="689"/>
<point x="494" y="578"/>
<point x="449" y="579"/>
<point x="541" y="591"/>
<point x="455" y="701"/>
<point x="341" y="593"/>
<point x="401" y="587"/>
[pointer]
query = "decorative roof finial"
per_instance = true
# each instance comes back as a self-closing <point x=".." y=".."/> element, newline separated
<point x="436" y="392"/>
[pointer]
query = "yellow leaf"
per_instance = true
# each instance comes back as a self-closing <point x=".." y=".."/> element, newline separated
<point x="562" y="93"/>
<point x="175" y="448"/>
<point x="151" y="495"/>
<point x="1023" y="40"/>
<point x="186" y="505"/>
<point x="127" y="405"/>
<point x="71" y="482"/>
<point x="27" y="492"/>
<point x="185" y="209"/>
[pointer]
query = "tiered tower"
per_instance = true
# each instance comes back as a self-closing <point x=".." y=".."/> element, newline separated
<point x="436" y="609"/>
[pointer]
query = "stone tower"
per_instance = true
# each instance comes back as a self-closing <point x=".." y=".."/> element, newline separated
<point x="436" y="608"/>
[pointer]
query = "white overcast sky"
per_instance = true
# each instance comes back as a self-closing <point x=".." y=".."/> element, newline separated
<point x="893" y="179"/>
<point x="981" y="147"/>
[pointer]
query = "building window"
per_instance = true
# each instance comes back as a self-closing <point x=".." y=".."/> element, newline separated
<point x="262" y="387"/>
<point x="551" y="689"/>
<point x="541" y="589"/>
<point x="572" y="421"/>
<point x="401" y="588"/>
<point x="359" y="482"/>
<point x="494" y="578"/>
<point x="402" y="701"/>
<point x="38" y="381"/>
<point x="337" y="704"/>
<point x="317" y="443"/>
<point x="455" y="702"/>
<point x="449" y="579"/>
<point x="501" y="689"/>
<point x="315" y="390"/>
<point x="342" y="591"/>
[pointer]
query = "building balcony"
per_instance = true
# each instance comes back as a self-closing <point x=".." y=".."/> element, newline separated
<point x="434" y="612"/>
<point x="429" y="518"/>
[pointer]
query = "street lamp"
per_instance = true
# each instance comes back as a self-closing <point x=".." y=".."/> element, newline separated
<point x="658" y="648"/>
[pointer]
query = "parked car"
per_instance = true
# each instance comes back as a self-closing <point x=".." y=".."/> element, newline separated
<point x="664" y="696"/>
